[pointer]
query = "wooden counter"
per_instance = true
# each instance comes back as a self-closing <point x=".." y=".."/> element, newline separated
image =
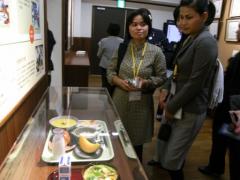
<point x="76" y="69"/>
<point x="24" y="160"/>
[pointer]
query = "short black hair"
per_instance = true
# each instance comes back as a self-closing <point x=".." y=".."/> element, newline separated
<point x="113" y="29"/>
<point x="147" y="18"/>
<point x="176" y="13"/>
<point x="201" y="6"/>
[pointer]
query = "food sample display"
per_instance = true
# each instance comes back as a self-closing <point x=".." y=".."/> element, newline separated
<point x="100" y="172"/>
<point x="87" y="146"/>
<point x="86" y="141"/>
<point x="69" y="145"/>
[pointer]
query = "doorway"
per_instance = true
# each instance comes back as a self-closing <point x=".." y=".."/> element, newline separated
<point x="101" y="18"/>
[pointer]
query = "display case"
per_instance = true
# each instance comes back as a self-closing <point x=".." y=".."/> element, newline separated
<point x="28" y="157"/>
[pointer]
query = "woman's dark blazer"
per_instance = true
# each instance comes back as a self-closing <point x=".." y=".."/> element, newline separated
<point x="196" y="61"/>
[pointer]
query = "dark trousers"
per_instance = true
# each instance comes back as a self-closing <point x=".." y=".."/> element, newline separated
<point x="177" y="175"/>
<point x="234" y="158"/>
<point x="220" y="145"/>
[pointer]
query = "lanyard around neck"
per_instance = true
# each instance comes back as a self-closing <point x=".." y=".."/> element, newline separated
<point x="136" y="69"/>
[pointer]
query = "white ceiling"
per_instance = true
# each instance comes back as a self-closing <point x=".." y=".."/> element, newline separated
<point x="160" y="2"/>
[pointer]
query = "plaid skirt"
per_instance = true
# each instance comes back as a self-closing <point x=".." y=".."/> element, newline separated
<point x="137" y="116"/>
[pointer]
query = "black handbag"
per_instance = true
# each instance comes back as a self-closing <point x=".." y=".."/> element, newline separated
<point x="164" y="132"/>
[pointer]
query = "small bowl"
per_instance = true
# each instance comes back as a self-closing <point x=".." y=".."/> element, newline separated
<point x="91" y="166"/>
<point x="88" y="132"/>
<point x="64" y="122"/>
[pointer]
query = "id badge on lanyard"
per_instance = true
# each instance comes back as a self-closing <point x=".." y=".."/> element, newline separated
<point x="178" y="114"/>
<point x="135" y="96"/>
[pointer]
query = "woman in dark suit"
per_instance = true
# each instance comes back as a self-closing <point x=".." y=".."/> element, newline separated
<point x="188" y="88"/>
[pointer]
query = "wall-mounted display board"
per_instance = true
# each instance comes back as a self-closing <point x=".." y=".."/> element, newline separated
<point x="21" y="50"/>
<point x="214" y="28"/>
<point x="231" y="29"/>
<point x="218" y="4"/>
<point x="235" y="8"/>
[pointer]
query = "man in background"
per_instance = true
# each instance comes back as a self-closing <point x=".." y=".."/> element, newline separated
<point x="106" y="47"/>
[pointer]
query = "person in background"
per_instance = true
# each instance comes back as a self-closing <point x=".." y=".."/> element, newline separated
<point x="4" y="10"/>
<point x="158" y="38"/>
<point x="50" y="44"/>
<point x="220" y="144"/>
<point x="106" y="47"/>
<point x="142" y="70"/>
<point x="188" y="88"/>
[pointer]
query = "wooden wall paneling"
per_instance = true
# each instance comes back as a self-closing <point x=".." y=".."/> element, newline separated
<point x="76" y="76"/>
<point x="4" y="147"/>
<point x="225" y="48"/>
<point x="82" y="43"/>
<point x="11" y="133"/>
<point x="77" y="44"/>
<point x="76" y="69"/>
<point x="14" y="125"/>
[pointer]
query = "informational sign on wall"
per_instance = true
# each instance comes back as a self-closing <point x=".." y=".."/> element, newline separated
<point x="22" y="53"/>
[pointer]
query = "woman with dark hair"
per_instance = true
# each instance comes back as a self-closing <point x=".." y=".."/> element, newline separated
<point x="188" y="88"/>
<point x="106" y="47"/>
<point x="143" y="68"/>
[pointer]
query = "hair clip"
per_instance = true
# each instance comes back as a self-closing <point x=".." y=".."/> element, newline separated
<point x="150" y="17"/>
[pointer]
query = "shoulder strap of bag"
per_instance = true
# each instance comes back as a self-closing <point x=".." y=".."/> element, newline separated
<point x="121" y="52"/>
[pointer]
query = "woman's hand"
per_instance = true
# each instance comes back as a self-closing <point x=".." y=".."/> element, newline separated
<point x="123" y="84"/>
<point x="237" y="129"/>
<point x="162" y="98"/>
<point x="236" y="115"/>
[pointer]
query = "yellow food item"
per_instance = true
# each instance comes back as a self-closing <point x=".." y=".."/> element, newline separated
<point x="87" y="146"/>
<point x="63" y="123"/>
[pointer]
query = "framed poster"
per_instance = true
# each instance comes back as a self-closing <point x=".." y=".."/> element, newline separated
<point x="231" y="28"/>
<point x="218" y="4"/>
<point x="214" y="28"/>
<point x="22" y="51"/>
<point x="235" y="8"/>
